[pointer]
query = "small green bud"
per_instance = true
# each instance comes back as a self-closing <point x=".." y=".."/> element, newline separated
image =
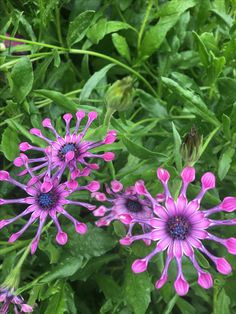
<point x="191" y="146"/>
<point x="119" y="95"/>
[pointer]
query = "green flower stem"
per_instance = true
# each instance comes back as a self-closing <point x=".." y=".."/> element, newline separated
<point x="108" y="116"/>
<point x="84" y="52"/>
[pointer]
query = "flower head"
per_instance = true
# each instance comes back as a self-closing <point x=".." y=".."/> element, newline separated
<point x="124" y="205"/>
<point x="45" y="197"/>
<point x="179" y="228"/>
<point x="8" y="297"/>
<point x="70" y="151"/>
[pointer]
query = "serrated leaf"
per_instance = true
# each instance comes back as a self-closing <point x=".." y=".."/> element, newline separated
<point x="9" y="144"/>
<point x="22" y="79"/>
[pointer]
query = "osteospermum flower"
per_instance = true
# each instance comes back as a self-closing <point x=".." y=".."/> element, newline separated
<point x="46" y="198"/>
<point x="179" y="227"/>
<point x="8" y="297"/>
<point x="124" y="205"/>
<point x="71" y="150"/>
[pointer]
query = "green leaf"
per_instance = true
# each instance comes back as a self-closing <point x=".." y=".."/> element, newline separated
<point x="97" y="31"/>
<point x="198" y="106"/>
<point x="121" y="46"/>
<point x="60" y="99"/>
<point x="93" y="82"/>
<point x="137" y="289"/>
<point x="185" y="307"/>
<point x="139" y="151"/>
<point x="109" y="286"/>
<point x="222" y="303"/>
<point x="79" y="26"/>
<point x="202" y="50"/>
<point x="65" y="268"/>
<point x="203" y="262"/>
<point x="9" y="144"/>
<point x="22" y="79"/>
<point x="225" y="162"/>
<point x="216" y="67"/>
<point x="227" y="88"/>
<point x="169" y="15"/>
<point x="151" y="104"/>
<point x="226" y="121"/>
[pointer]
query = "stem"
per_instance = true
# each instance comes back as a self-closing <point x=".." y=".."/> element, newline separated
<point x="85" y="52"/>
<point x="108" y="116"/>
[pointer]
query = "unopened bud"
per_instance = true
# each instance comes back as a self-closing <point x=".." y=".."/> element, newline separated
<point x="191" y="146"/>
<point x="120" y="94"/>
<point x="2" y="47"/>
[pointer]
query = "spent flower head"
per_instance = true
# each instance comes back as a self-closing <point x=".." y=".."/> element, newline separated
<point x="179" y="228"/>
<point x="8" y="297"/>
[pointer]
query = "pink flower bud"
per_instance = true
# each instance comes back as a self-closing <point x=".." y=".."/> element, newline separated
<point x="24" y="146"/>
<point x="61" y="238"/>
<point x="4" y="175"/>
<point x="208" y="181"/>
<point x="125" y="241"/>
<point x="110" y="137"/>
<point x="46" y="187"/>
<point x="26" y="308"/>
<point x="108" y="156"/>
<point x="188" y="174"/>
<point x="100" y="211"/>
<point x="223" y="266"/>
<point x="3" y="223"/>
<point x="92" y="166"/>
<point x="163" y="175"/>
<point x="139" y="266"/>
<point x="14" y="237"/>
<point x="205" y="280"/>
<point x="34" y="246"/>
<point x="181" y="286"/>
<point x="101" y="197"/>
<point x="18" y="162"/>
<point x="72" y="184"/>
<point x="229" y="204"/>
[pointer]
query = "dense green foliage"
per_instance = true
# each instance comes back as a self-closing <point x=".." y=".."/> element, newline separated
<point x="181" y="57"/>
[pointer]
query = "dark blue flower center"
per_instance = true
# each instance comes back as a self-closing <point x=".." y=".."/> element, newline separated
<point x="47" y="200"/>
<point x="133" y="206"/>
<point x="178" y="227"/>
<point x="68" y="147"/>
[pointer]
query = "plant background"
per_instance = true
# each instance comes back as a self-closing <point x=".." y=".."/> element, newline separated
<point x="181" y="56"/>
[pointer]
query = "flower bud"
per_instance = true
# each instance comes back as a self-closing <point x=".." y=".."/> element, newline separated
<point x="120" y="94"/>
<point x="191" y="146"/>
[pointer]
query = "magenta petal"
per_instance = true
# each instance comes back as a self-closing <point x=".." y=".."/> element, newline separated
<point x="163" y="175"/>
<point x="188" y="174"/>
<point x="160" y="283"/>
<point x="34" y="246"/>
<point x="4" y="175"/>
<point x="24" y="146"/>
<point x="181" y="286"/>
<point x="47" y="123"/>
<point x="205" y="280"/>
<point x="125" y="241"/>
<point x="139" y="266"/>
<point x="69" y="156"/>
<point x="26" y="308"/>
<point x="231" y="245"/>
<point x="229" y="204"/>
<point x="93" y="186"/>
<point x="81" y="228"/>
<point x="46" y="187"/>
<point x="125" y="218"/>
<point x="109" y="156"/>
<point x="223" y="266"/>
<point x="61" y="238"/>
<point x="116" y="186"/>
<point x="208" y="180"/>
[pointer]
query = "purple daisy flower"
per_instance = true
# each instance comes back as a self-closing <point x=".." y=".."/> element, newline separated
<point x="179" y="228"/>
<point x="7" y="298"/>
<point x="71" y="150"/>
<point x="125" y="205"/>
<point x="45" y="198"/>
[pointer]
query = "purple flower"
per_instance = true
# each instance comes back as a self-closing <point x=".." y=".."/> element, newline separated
<point x="7" y="298"/>
<point x="179" y="227"/>
<point x="124" y="206"/>
<point x="45" y="198"/>
<point x="71" y="150"/>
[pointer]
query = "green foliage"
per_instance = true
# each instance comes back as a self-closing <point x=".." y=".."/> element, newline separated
<point x="180" y="58"/>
